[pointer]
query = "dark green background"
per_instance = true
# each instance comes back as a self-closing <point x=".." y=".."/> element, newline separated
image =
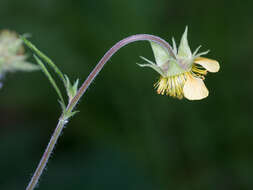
<point x="126" y="136"/>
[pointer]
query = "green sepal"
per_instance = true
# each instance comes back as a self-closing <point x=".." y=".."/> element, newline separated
<point x="174" y="46"/>
<point x="184" y="50"/>
<point x="152" y="65"/>
<point x="174" y="69"/>
<point x="161" y="54"/>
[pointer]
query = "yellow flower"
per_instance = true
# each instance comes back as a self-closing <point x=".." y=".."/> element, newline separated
<point x="183" y="73"/>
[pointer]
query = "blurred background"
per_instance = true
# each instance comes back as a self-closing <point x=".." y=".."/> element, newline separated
<point x="126" y="136"/>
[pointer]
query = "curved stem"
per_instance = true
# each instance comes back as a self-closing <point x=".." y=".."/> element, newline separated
<point x="109" y="54"/>
<point x="82" y="90"/>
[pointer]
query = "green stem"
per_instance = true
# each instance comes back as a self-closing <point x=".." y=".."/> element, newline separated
<point x="50" y="78"/>
<point x="45" y="58"/>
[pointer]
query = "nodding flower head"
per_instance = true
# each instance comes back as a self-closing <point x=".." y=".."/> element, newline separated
<point x="183" y="73"/>
<point x="12" y="57"/>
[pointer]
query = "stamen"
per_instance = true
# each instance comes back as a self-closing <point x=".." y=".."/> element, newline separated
<point x="198" y="71"/>
<point x="172" y="85"/>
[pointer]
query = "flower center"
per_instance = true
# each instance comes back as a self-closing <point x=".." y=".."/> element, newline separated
<point x="172" y="85"/>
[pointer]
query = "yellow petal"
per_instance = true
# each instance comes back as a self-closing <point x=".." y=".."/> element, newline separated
<point x="209" y="64"/>
<point x="195" y="89"/>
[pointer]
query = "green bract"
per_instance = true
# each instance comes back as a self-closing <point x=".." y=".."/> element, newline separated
<point x="165" y="63"/>
<point x="182" y="72"/>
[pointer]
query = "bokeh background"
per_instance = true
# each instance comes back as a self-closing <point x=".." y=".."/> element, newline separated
<point x="126" y="136"/>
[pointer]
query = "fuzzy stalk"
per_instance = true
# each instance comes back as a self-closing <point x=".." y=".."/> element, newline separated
<point x="63" y="120"/>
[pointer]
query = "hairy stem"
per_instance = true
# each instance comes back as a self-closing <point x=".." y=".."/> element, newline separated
<point x="109" y="54"/>
<point x="46" y="155"/>
<point x="82" y="90"/>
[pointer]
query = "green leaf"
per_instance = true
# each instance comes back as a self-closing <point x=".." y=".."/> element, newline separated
<point x="68" y="115"/>
<point x="63" y="107"/>
<point x="75" y="86"/>
<point x="71" y="89"/>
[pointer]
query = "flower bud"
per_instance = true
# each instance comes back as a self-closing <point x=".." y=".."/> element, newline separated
<point x="12" y="54"/>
